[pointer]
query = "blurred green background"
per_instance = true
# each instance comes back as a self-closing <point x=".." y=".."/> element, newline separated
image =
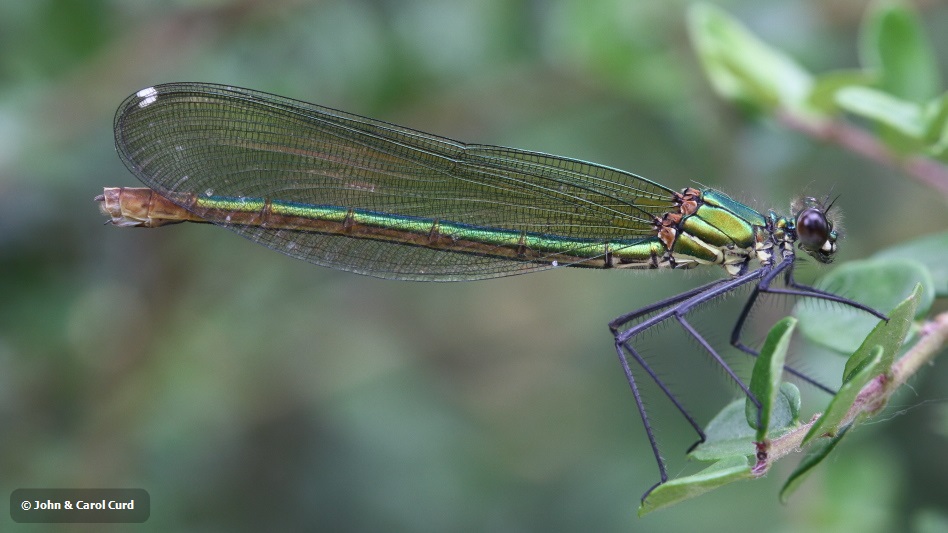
<point x="245" y="390"/>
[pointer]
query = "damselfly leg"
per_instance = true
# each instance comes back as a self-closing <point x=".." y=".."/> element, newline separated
<point x="678" y="307"/>
<point x="798" y="290"/>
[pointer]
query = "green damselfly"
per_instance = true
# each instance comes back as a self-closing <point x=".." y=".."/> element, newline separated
<point x="366" y="196"/>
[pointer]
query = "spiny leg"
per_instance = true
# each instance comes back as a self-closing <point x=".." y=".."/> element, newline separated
<point x="727" y="368"/>
<point x="806" y="291"/>
<point x="813" y="292"/>
<point x="749" y="305"/>
<point x="685" y="307"/>
<point x="658" y="381"/>
<point x="622" y="349"/>
<point x="737" y="343"/>
<point x="620" y="321"/>
<point x="676" y="306"/>
<point x="799" y="290"/>
<point x="745" y="313"/>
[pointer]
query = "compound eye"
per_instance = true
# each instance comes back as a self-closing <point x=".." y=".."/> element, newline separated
<point x="813" y="229"/>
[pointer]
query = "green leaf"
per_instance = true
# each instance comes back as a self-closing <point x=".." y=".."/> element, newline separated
<point x="740" y="66"/>
<point x="936" y="133"/>
<point x="893" y="41"/>
<point x="823" y="95"/>
<point x="829" y="422"/>
<point x="931" y="251"/>
<point x="887" y="335"/>
<point x="676" y="490"/>
<point x="878" y="283"/>
<point x="902" y="116"/>
<point x="935" y="115"/>
<point x="791" y="394"/>
<point x="814" y="456"/>
<point x="729" y="435"/>
<point x="765" y="380"/>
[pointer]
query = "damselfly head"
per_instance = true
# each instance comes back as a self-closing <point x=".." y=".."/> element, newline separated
<point x="814" y="228"/>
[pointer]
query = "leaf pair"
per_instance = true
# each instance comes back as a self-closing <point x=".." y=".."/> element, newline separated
<point x="897" y="88"/>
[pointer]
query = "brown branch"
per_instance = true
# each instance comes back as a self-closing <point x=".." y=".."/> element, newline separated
<point x="926" y="171"/>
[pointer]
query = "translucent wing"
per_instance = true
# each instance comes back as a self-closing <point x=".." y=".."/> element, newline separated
<point x="215" y="140"/>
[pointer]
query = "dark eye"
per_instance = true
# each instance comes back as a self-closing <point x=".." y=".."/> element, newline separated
<point x="812" y="228"/>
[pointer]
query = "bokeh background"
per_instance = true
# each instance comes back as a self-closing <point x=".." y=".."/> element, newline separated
<point x="248" y="391"/>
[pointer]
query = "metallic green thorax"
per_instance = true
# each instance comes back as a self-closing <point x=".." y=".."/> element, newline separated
<point x="711" y="228"/>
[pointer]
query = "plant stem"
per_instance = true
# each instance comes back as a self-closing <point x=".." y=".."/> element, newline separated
<point x="926" y="171"/>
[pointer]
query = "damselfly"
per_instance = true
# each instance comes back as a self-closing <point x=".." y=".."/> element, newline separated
<point x="366" y="196"/>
